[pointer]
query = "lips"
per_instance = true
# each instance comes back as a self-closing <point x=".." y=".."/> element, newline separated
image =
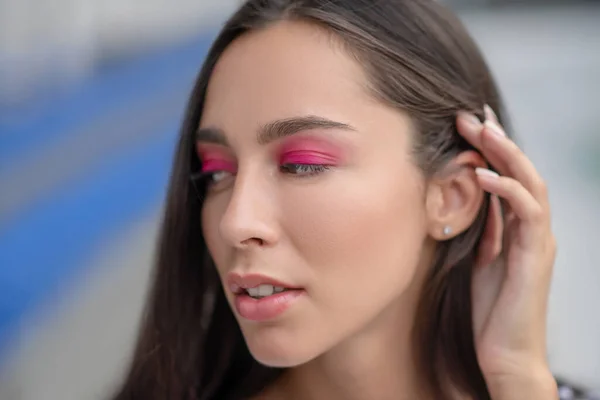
<point x="255" y="282"/>
<point x="260" y="298"/>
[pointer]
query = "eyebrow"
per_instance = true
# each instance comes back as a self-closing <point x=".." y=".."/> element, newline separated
<point x="275" y="130"/>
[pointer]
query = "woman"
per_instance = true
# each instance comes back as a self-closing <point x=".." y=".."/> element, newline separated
<point x="357" y="224"/>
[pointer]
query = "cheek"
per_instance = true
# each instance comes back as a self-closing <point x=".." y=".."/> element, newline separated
<point x="360" y="234"/>
<point x="212" y="212"/>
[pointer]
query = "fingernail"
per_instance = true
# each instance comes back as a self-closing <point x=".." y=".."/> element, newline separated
<point x="489" y="113"/>
<point x="492" y="126"/>
<point x="486" y="172"/>
<point x="471" y="119"/>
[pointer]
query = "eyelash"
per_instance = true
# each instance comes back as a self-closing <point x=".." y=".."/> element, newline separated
<point x="303" y="170"/>
<point x="297" y="170"/>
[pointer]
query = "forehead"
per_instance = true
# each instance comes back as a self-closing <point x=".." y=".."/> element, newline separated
<point x="284" y="70"/>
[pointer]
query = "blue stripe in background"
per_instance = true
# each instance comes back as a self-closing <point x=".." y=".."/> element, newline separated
<point x="53" y="116"/>
<point x="49" y="243"/>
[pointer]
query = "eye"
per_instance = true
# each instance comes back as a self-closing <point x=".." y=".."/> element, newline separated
<point x="303" y="169"/>
<point x="217" y="170"/>
<point x="215" y="177"/>
<point x="212" y="181"/>
<point x="217" y="180"/>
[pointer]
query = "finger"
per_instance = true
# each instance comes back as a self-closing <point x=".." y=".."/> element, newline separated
<point x="491" y="241"/>
<point x="510" y="160"/>
<point x="521" y="201"/>
<point x="469" y="123"/>
<point x="469" y="127"/>
<point x="502" y="153"/>
<point x="489" y="113"/>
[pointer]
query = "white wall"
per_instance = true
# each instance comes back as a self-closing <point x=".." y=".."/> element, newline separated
<point x="59" y="40"/>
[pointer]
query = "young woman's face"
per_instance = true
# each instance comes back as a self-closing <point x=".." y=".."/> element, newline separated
<point x="312" y="189"/>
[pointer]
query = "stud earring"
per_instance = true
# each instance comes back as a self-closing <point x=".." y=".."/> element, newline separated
<point x="447" y="230"/>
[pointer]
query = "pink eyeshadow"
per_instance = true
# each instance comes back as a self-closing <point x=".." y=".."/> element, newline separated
<point x="211" y="165"/>
<point x="303" y="150"/>
<point x="307" y="157"/>
<point x="214" y="159"/>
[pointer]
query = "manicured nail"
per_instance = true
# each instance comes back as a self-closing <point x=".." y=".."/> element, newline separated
<point x="492" y="126"/>
<point x="471" y="119"/>
<point x="489" y="113"/>
<point x="486" y="172"/>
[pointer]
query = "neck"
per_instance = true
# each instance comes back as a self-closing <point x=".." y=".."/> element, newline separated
<point x="376" y="363"/>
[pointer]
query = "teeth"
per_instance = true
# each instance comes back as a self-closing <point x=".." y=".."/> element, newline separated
<point x="264" y="290"/>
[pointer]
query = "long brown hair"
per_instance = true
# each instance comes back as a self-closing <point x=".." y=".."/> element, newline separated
<point x="419" y="59"/>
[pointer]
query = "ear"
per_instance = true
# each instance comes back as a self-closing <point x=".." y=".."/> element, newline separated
<point x="454" y="197"/>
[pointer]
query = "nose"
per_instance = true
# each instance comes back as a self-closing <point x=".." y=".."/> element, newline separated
<point x="249" y="219"/>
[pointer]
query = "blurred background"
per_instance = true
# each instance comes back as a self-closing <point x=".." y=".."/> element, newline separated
<point x="91" y="96"/>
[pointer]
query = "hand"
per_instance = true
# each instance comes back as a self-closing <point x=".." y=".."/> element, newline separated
<point x="513" y="271"/>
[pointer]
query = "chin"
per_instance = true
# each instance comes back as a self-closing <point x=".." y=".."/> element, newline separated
<point x="274" y="348"/>
<point x="278" y="360"/>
